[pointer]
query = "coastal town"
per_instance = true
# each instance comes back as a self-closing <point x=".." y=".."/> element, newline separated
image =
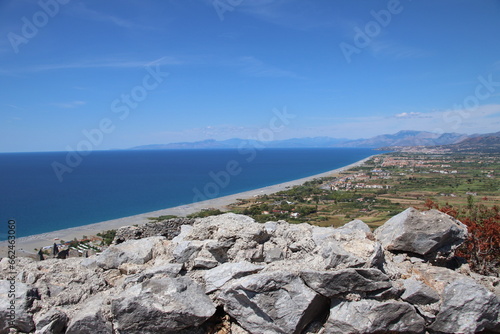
<point x="383" y="187"/>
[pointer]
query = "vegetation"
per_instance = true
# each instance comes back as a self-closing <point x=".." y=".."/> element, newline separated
<point x="107" y="236"/>
<point x="161" y="218"/>
<point x="205" y="213"/>
<point x="381" y="188"/>
<point x="482" y="248"/>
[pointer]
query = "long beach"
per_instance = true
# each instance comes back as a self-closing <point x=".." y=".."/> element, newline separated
<point x="26" y="245"/>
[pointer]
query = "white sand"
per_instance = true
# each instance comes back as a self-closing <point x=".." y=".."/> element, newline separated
<point x="26" y="245"/>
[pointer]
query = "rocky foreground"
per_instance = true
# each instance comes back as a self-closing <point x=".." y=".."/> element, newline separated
<point x="229" y="274"/>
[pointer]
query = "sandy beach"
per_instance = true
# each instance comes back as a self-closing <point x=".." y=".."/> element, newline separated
<point x="26" y="245"/>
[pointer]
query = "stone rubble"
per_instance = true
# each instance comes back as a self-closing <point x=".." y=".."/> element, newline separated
<point x="229" y="274"/>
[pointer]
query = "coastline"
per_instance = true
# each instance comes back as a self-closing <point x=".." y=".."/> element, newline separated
<point x="26" y="245"/>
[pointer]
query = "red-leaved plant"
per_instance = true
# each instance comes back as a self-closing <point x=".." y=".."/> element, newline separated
<point x="482" y="247"/>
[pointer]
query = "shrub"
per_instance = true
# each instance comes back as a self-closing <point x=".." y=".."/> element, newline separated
<point x="481" y="250"/>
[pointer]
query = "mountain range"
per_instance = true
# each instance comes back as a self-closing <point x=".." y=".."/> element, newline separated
<point x="401" y="138"/>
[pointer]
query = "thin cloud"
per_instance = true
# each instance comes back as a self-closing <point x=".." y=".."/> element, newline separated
<point x="83" y="11"/>
<point x="14" y="106"/>
<point x="412" y="115"/>
<point x="254" y="67"/>
<point x="105" y="63"/>
<point x="396" y="50"/>
<point x="69" y="105"/>
<point x="482" y="119"/>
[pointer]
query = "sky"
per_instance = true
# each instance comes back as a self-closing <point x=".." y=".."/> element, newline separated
<point x="99" y="75"/>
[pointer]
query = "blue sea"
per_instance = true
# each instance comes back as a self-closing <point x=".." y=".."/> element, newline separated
<point x="53" y="190"/>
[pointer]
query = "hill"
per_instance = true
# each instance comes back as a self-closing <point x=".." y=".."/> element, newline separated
<point x="487" y="143"/>
<point x="401" y="138"/>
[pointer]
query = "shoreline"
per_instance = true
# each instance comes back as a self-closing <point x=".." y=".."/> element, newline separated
<point x="26" y="245"/>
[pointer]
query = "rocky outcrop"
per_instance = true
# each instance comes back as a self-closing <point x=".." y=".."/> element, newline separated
<point x="428" y="233"/>
<point x="229" y="274"/>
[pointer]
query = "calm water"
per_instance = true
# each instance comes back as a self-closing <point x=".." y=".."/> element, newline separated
<point x="113" y="184"/>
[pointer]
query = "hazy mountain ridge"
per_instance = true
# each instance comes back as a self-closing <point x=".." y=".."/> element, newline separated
<point x="401" y="138"/>
<point x="484" y="143"/>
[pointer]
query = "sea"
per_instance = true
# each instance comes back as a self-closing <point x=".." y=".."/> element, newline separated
<point x="49" y="191"/>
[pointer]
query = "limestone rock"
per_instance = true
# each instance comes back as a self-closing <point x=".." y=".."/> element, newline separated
<point x="185" y="249"/>
<point x="416" y="292"/>
<point x="161" y="305"/>
<point x="424" y="233"/>
<point x="205" y="263"/>
<point x="52" y="322"/>
<point x="371" y="316"/>
<point x="162" y="270"/>
<point x="355" y="225"/>
<point x="467" y="307"/>
<point x="276" y="302"/>
<point x="89" y="318"/>
<point x="333" y="283"/>
<point x="18" y="311"/>
<point x="131" y="251"/>
<point x="351" y="254"/>
<point x="217" y="277"/>
<point x="264" y="278"/>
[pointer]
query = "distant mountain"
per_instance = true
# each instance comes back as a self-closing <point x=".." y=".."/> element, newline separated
<point x="484" y="143"/>
<point x="402" y="138"/>
<point x="237" y="142"/>
<point x="408" y="138"/>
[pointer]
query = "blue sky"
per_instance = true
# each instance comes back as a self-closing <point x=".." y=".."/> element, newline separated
<point x="136" y="72"/>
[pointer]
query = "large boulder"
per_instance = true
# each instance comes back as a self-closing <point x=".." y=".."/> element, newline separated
<point x="161" y="305"/>
<point x="276" y="302"/>
<point x="467" y="307"/>
<point x="425" y="233"/>
<point x="351" y="280"/>
<point x="371" y="316"/>
<point x="131" y="251"/>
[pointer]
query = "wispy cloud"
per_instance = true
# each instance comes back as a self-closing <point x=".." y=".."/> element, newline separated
<point x="102" y="63"/>
<point x="412" y="115"/>
<point x="14" y="106"/>
<point x="81" y="10"/>
<point x="69" y="105"/>
<point x="254" y="67"/>
<point x="482" y="119"/>
<point x="396" y="50"/>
